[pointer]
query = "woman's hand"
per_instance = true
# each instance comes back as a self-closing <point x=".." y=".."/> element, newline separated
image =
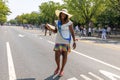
<point x="53" y="30"/>
<point x="74" y="45"/>
<point x="47" y="27"/>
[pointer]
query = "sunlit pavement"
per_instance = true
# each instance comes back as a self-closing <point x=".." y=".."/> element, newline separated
<point x="28" y="55"/>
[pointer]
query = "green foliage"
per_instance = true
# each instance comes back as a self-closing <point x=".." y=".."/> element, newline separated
<point x="32" y="18"/>
<point x="45" y="15"/>
<point x="111" y="15"/>
<point x="85" y="11"/>
<point x="47" y="11"/>
<point x="4" y="11"/>
<point x="12" y="21"/>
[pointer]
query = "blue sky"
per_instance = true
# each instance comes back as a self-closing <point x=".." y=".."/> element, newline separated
<point x="19" y="7"/>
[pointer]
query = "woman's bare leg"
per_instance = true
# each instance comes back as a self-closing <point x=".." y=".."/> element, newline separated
<point x="64" y="60"/>
<point x="57" y="59"/>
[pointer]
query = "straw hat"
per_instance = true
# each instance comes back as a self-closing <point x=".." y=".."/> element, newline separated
<point x="57" y="12"/>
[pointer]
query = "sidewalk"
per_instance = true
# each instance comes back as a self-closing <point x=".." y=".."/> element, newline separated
<point x="110" y="43"/>
<point x="112" y="40"/>
<point x="98" y="41"/>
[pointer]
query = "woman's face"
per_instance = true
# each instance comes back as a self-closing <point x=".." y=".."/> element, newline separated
<point x="63" y="16"/>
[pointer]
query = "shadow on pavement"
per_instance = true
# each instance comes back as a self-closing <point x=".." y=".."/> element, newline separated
<point x="52" y="77"/>
<point x="27" y="79"/>
<point x="98" y="40"/>
<point x="107" y="41"/>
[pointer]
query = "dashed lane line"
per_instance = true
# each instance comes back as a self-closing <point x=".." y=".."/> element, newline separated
<point x="20" y="35"/>
<point x="11" y="69"/>
<point x="40" y="38"/>
<point x="72" y="78"/>
<point x="85" y="77"/>
<point x="51" y="42"/>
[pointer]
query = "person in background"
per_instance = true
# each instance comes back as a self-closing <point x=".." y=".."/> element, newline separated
<point x="103" y="36"/>
<point x="46" y="29"/>
<point x="108" y="31"/>
<point x="84" y="31"/>
<point x="89" y="31"/>
<point x="77" y="30"/>
<point x="64" y="30"/>
<point x="99" y="31"/>
<point x="81" y="30"/>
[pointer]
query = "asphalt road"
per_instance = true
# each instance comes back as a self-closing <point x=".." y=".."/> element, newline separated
<point x="29" y="55"/>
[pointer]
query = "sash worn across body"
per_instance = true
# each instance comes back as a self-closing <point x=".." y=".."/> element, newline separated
<point x="64" y="33"/>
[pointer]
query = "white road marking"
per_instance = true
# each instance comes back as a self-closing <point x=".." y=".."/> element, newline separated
<point x="40" y="38"/>
<point x="97" y="77"/>
<point x="85" y="77"/>
<point x="72" y="78"/>
<point x="88" y="38"/>
<point x="94" y="59"/>
<point x="20" y="35"/>
<point x="97" y="60"/>
<point x="12" y="75"/>
<point x="51" y="42"/>
<point x="109" y="75"/>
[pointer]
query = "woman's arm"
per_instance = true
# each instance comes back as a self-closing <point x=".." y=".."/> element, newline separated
<point x="73" y="35"/>
<point x="53" y="30"/>
<point x="72" y="32"/>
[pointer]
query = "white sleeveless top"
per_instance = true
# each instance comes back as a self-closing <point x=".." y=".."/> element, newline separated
<point x="65" y="28"/>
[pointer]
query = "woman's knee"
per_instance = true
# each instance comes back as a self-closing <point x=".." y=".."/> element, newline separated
<point x="64" y="54"/>
<point x="57" y="54"/>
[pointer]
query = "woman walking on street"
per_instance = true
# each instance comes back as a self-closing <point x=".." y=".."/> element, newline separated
<point x="64" y="30"/>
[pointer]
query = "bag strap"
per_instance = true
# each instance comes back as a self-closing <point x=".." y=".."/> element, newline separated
<point x="59" y="29"/>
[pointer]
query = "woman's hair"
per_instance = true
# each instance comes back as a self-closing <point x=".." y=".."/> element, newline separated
<point x="66" y="18"/>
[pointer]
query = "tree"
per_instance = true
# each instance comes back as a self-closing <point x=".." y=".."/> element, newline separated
<point x="85" y="11"/>
<point x="115" y="4"/>
<point x="4" y="11"/>
<point x="33" y="18"/>
<point x="19" y="20"/>
<point x="111" y="15"/>
<point x="114" y="7"/>
<point x="47" y="11"/>
<point x="12" y="21"/>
